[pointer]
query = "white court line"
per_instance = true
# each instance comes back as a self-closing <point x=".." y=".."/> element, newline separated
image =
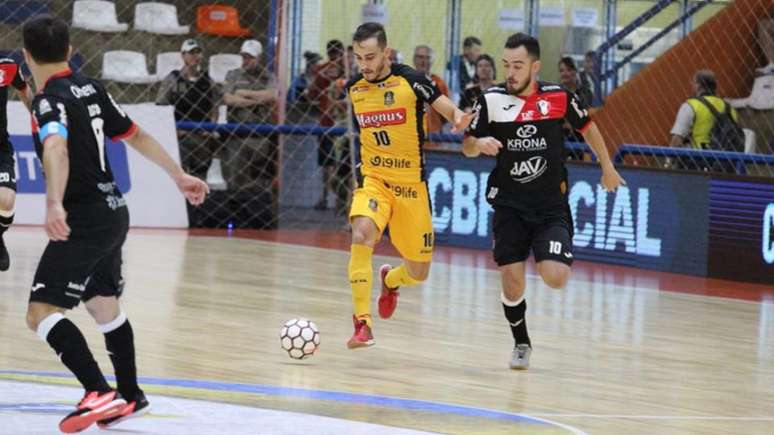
<point x="654" y="417"/>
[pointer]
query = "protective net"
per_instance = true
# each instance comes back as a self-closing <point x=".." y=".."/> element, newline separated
<point x="267" y="125"/>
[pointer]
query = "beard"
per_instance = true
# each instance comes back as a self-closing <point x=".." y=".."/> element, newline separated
<point x="515" y="89"/>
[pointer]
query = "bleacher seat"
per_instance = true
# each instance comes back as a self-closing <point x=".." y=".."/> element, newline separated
<point x="220" y="64"/>
<point x="220" y="20"/>
<point x="125" y="66"/>
<point x="19" y="11"/>
<point x="160" y="18"/>
<point x="97" y="15"/>
<point x="167" y="62"/>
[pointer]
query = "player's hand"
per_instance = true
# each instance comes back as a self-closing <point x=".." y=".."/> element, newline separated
<point x="56" y="222"/>
<point x="461" y="121"/>
<point x="489" y="145"/>
<point x="611" y="179"/>
<point x="194" y="189"/>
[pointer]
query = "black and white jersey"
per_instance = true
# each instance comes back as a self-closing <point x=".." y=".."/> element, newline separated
<point x="530" y="172"/>
<point x="10" y="75"/>
<point x="79" y="109"/>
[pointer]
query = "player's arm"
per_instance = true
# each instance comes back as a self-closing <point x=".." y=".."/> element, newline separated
<point x="477" y="138"/>
<point x="51" y="119"/>
<point x="611" y="180"/>
<point x="459" y="119"/>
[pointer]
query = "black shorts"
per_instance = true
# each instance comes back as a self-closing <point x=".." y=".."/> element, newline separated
<point x="547" y="234"/>
<point x="88" y="264"/>
<point x="325" y="155"/>
<point x="7" y="170"/>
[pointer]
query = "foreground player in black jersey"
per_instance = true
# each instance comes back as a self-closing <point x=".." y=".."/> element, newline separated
<point x="10" y="75"/>
<point x="86" y="222"/>
<point x="520" y="122"/>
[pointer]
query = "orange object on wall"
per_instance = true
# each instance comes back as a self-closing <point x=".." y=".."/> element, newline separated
<point x="220" y="20"/>
<point x="643" y="110"/>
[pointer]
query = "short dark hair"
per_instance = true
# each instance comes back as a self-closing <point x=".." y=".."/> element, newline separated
<point x="333" y="47"/>
<point x="370" y="30"/>
<point x="522" y="39"/>
<point x="706" y="81"/>
<point x="47" y="38"/>
<point x="568" y="62"/>
<point x="487" y="58"/>
<point x="471" y="41"/>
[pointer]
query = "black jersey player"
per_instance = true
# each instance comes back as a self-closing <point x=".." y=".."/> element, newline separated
<point x="10" y="76"/>
<point x="520" y="122"/>
<point x="86" y="222"/>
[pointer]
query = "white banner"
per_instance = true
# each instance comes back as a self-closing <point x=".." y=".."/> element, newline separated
<point x="511" y="19"/>
<point x="551" y="16"/>
<point x="153" y="198"/>
<point x="585" y="17"/>
<point x="374" y="14"/>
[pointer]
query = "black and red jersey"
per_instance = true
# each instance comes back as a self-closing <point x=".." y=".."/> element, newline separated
<point x="530" y="172"/>
<point x="10" y="75"/>
<point x="81" y="110"/>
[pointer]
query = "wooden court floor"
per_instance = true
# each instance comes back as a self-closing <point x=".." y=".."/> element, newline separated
<point x="618" y="351"/>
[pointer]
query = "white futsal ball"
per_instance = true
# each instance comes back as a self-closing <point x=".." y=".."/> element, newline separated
<point x="300" y="338"/>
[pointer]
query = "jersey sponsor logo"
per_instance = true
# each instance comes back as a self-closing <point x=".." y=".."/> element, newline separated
<point x="477" y="117"/>
<point x="44" y="106"/>
<point x="405" y="192"/>
<point x="530" y="169"/>
<point x="526" y="131"/>
<point x="390" y="162"/>
<point x="94" y="110"/>
<point x="531" y="144"/>
<point x="527" y="115"/>
<point x="83" y="91"/>
<point x="551" y="88"/>
<point x="382" y="118"/>
<point x="425" y="90"/>
<point x="361" y="88"/>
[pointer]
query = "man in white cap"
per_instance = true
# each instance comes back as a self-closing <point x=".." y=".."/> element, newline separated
<point x="193" y="94"/>
<point x="250" y="93"/>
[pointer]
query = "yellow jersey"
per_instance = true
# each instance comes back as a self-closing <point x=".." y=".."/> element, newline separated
<point x="389" y="115"/>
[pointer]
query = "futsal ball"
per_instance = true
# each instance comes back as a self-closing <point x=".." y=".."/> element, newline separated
<point x="300" y="338"/>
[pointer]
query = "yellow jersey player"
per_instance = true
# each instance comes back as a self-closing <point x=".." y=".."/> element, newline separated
<point x="388" y="104"/>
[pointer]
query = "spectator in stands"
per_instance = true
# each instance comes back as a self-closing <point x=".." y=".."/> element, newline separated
<point x="301" y="82"/>
<point x="568" y="77"/>
<point x="250" y="93"/>
<point x="694" y="120"/>
<point x="396" y="56"/>
<point x="586" y="75"/>
<point x="423" y="62"/>
<point x="353" y="68"/>
<point x="325" y="93"/>
<point x="465" y="66"/>
<point x="191" y="91"/>
<point x="483" y="80"/>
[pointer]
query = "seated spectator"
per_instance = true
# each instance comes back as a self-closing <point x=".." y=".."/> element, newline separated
<point x="191" y="91"/>
<point x="568" y="77"/>
<point x="464" y="67"/>
<point x="483" y="80"/>
<point x="695" y="119"/>
<point x="250" y="93"/>
<point x="324" y="93"/>
<point x="423" y="62"/>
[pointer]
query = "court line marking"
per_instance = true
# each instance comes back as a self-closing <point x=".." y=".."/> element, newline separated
<point x="657" y="417"/>
<point x="363" y="399"/>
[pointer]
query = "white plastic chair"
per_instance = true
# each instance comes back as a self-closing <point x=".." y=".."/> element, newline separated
<point x="160" y="18"/>
<point x="167" y="62"/>
<point x="126" y="67"/>
<point x="97" y="15"/>
<point x="221" y="64"/>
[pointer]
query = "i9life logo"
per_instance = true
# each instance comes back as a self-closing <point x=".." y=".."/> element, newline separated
<point x="29" y="172"/>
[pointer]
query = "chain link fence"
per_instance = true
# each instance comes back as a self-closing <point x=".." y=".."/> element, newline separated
<point x="267" y="124"/>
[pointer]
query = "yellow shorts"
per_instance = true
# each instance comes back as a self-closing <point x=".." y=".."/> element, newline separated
<point x="405" y="208"/>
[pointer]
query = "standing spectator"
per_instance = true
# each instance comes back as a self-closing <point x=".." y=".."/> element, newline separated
<point x="483" y="80"/>
<point x="568" y="77"/>
<point x="423" y="62"/>
<point x="586" y="76"/>
<point x="250" y="93"/>
<point x="464" y="67"/>
<point x="302" y="81"/>
<point x="192" y="92"/>
<point x="324" y="94"/>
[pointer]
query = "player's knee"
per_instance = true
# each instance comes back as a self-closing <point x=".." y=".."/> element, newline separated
<point x="513" y="288"/>
<point x="102" y="309"/>
<point x="420" y="272"/>
<point x="363" y="234"/>
<point x="36" y="312"/>
<point x="555" y="277"/>
<point x="7" y="199"/>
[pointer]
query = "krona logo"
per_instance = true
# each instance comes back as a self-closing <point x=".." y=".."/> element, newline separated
<point x="382" y="118"/>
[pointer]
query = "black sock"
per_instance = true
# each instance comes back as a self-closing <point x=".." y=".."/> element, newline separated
<point x="70" y="345"/>
<point x="518" y="321"/>
<point x="120" y="347"/>
<point x="5" y="222"/>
